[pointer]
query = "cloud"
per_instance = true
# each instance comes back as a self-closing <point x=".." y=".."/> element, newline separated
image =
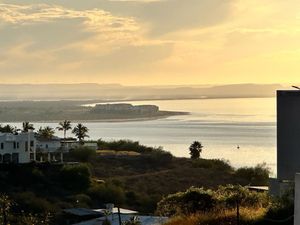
<point x="68" y="41"/>
<point x="137" y="41"/>
<point x="95" y="18"/>
<point x="48" y="26"/>
<point x="173" y="15"/>
<point x="160" y="16"/>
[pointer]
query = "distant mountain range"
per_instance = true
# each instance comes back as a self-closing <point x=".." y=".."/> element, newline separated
<point x="111" y="92"/>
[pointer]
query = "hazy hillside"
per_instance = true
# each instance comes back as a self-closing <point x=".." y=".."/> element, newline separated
<point x="119" y="92"/>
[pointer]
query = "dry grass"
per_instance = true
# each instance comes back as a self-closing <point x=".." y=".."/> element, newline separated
<point x="117" y="153"/>
<point x="228" y="217"/>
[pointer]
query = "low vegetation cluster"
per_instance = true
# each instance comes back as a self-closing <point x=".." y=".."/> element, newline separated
<point x="206" y="200"/>
<point x="227" y="205"/>
<point x="142" y="182"/>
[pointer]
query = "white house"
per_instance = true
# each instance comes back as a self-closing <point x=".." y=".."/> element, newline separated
<point x="27" y="147"/>
<point x="72" y="143"/>
<point x="17" y="148"/>
<point x="49" y="148"/>
<point x="48" y="145"/>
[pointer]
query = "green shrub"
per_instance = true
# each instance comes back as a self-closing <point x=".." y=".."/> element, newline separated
<point x="81" y="200"/>
<point x="189" y="202"/>
<point x="196" y="200"/>
<point x="227" y="197"/>
<point x="82" y="154"/>
<point x="258" y="175"/>
<point x="75" y="177"/>
<point x="281" y="209"/>
<point x="29" y="202"/>
<point x="126" y="145"/>
<point x="215" y="164"/>
<point x="158" y="158"/>
<point x="107" y="193"/>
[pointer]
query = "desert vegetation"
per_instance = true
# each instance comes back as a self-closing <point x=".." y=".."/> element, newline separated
<point x="148" y="181"/>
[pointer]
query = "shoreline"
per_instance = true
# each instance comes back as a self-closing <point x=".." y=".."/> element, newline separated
<point x="95" y="101"/>
<point x="119" y="120"/>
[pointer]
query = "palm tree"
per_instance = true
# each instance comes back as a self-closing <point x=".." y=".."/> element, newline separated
<point x="46" y="132"/>
<point x="80" y="132"/>
<point x="64" y="126"/>
<point x="27" y="126"/>
<point x="8" y="129"/>
<point x="196" y="149"/>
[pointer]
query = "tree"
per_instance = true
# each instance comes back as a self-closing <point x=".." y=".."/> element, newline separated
<point x="189" y="202"/>
<point x="195" y="149"/>
<point x="75" y="177"/>
<point x="8" y="129"/>
<point x="82" y="154"/>
<point x="46" y="132"/>
<point x="64" y="126"/>
<point x="27" y="126"/>
<point x="80" y="132"/>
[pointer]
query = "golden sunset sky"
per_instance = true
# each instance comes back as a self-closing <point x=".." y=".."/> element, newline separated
<point x="149" y="42"/>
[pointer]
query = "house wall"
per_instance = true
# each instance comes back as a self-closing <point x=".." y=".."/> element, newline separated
<point x="15" y="147"/>
<point x="76" y="144"/>
<point x="49" y="145"/>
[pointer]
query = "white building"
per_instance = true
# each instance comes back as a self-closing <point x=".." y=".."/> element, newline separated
<point x="48" y="145"/>
<point x="72" y="143"/>
<point x="20" y="148"/>
<point x="28" y="147"/>
<point x="49" y="149"/>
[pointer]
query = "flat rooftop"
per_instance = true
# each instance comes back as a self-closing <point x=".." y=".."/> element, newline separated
<point x="288" y="93"/>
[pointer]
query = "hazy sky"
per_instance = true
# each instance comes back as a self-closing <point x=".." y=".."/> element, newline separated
<point x="150" y="41"/>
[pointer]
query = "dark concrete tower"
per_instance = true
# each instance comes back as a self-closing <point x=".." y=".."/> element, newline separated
<point x="288" y="134"/>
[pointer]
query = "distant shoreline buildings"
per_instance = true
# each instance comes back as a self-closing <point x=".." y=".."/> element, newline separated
<point x="126" y="108"/>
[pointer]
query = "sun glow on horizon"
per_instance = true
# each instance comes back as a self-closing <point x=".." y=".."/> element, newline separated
<point x="150" y="42"/>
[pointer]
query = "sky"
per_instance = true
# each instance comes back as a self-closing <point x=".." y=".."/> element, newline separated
<point x="150" y="42"/>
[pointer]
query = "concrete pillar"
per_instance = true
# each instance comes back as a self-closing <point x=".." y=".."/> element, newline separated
<point x="49" y="157"/>
<point x="297" y="200"/>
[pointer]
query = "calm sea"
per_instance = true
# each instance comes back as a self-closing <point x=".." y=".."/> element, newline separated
<point x="220" y="124"/>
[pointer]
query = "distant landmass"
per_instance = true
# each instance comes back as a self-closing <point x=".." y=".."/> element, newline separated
<point x="117" y="92"/>
<point x="48" y="111"/>
<point x="126" y="108"/>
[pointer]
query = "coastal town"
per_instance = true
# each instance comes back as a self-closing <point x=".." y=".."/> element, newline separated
<point x="149" y="112"/>
<point x="28" y="145"/>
